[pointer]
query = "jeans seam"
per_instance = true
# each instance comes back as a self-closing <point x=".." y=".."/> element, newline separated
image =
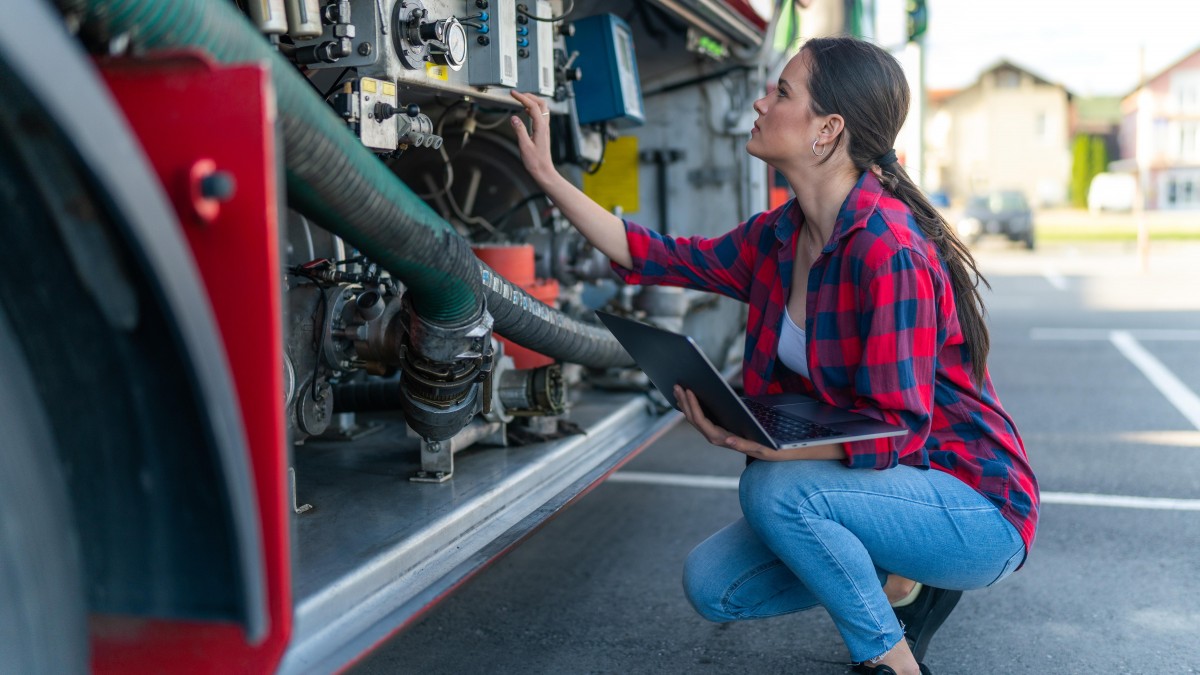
<point x="854" y="582"/>
<point x="986" y="507"/>
<point x="742" y="581"/>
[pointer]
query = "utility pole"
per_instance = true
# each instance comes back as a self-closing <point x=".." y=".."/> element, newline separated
<point x="1141" y="168"/>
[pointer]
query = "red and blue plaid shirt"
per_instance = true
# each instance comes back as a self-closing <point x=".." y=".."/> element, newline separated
<point x="883" y="336"/>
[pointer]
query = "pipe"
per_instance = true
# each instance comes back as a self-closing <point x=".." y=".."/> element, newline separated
<point x="335" y="181"/>
<point x="331" y="177"/>
<point x="525" y="320"/>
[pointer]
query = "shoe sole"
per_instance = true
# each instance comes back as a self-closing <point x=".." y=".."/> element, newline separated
<point x="942" y="606"/>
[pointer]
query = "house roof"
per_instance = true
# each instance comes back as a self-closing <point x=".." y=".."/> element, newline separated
<point x="1164" y="71"/>
<point x="1006" y="63"/>
<point x="937" y="96"/>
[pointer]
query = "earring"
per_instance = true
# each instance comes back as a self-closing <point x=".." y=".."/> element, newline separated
<point x="818" y="154"/>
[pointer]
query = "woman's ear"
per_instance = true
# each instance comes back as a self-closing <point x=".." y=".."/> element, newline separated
<point x="833" y="126"/>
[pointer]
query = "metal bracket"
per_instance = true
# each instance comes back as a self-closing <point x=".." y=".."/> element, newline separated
<point x="437" y="462"/>
<point x="437" y="457"/>
<point x="298" y="508"/>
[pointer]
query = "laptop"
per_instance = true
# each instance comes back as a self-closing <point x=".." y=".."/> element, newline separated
<point x="777" y="421"/>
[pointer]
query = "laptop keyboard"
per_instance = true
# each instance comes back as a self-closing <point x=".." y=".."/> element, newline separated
<point x="784" y="428"/>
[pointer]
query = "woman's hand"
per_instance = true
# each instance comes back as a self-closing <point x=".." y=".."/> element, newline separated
<point x="715" y="434"/>
<point x="718" y="436"/>
<point x="534" y="143"/>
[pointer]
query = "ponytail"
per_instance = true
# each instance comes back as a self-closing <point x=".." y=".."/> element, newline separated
<point x="964" y="274"/>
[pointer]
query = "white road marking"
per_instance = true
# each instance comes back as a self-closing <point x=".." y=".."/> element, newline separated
<point x="1177" y="393"/>
<point x="1072" y="498"/>
<point x="1055" y="279"/>
<point x="1121" y="501"/>
<point x="676" y="480"/>
<point x="1148" y="334"/>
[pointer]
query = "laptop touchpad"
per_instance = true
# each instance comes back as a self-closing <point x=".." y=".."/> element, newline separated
<point x="816" y="412"/>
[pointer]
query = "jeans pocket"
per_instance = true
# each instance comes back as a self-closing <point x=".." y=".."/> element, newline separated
<point x="1009" y="567"/>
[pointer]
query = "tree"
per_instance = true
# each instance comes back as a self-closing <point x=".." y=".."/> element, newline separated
<point x="1089" y="156"/>
<point x="1081" y="176"/>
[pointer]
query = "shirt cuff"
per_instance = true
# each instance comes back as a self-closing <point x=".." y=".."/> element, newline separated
<point x="639" y="239"/>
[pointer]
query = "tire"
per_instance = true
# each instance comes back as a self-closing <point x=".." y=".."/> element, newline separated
<point x="43" y="618"/>
<point x="1027" y="239"/>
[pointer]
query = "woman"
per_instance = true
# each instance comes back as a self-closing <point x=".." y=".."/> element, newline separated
<point x="860" y="295"/>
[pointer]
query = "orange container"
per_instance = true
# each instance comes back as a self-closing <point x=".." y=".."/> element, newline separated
<point x="516" y="263"/>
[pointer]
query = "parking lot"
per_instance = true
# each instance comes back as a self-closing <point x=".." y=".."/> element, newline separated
<point x="1095" y="355"/>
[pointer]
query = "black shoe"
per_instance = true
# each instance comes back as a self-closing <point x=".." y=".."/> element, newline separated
<point x="925" y="615"/>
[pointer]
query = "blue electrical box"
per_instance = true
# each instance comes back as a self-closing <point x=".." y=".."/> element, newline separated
<point x="608" y="89"/>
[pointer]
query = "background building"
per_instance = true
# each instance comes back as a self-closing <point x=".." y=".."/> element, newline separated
<point x="1007" y="131"/>
<point x="1160" y="135"/>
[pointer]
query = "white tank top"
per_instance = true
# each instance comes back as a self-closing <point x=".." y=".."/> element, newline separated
<point x="792" y="346"/>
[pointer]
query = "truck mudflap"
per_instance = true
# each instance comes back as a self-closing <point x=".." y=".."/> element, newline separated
<point x="363" y="574"/>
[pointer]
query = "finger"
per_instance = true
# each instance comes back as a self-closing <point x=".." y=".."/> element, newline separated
<point x="715" y="434"/>
<point x="533" y="105"/>
<point x="524" y="141"/>
<point x="695" y="404"/>
<point x="523" y="99"/>
<point x="682" y="401"/>
<point x="744" y="446"/>
<point x="685" y="404"/>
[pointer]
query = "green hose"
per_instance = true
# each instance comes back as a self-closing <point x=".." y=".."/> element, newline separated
<point x="336" y="182"/>
<point x="331" y="177"/>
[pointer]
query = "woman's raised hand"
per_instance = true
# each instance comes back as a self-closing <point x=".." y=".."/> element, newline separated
<point x="534" y="143"/>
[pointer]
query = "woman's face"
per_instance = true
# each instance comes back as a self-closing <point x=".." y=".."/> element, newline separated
<point x="786" y="126"/>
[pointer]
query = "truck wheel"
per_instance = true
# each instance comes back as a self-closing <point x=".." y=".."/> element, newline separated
<point x="1027" y="239"/>
<point x="43" y="619"/>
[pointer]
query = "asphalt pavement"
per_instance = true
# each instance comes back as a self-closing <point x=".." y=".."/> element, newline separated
<point x="1095" y="355"/>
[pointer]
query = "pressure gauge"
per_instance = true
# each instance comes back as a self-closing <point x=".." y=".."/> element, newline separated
<point x="451" y="47"/>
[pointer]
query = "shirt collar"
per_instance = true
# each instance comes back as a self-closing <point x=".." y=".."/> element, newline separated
<point x="789" y="221"/>
<point x="859" y="204"/>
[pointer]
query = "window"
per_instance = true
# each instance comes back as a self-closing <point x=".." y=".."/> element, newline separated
<point x="1184" y="95"/>
<point x="1008" y="79"/>
<point x="1180" y="189"/>
<point x="1185" y="141"/>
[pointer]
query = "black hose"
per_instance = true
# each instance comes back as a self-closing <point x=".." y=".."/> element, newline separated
<point x="524" y="319"/>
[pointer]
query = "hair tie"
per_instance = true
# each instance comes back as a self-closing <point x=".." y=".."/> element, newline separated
<point x="887" y="159"/>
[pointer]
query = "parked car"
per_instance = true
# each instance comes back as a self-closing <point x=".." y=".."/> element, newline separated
<point x="1111" y="192"/>
<point x="1004" y="212"/>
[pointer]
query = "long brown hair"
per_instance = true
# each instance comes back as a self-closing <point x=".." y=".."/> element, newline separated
<point x="866" y="86"/>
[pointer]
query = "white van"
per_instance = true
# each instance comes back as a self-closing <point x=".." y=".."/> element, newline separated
<point x="1112" y="192"/>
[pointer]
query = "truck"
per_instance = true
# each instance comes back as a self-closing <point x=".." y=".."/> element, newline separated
<point x="291" y="345"/>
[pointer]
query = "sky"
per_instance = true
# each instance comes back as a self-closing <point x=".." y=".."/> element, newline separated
<point x="1089" y="46"/>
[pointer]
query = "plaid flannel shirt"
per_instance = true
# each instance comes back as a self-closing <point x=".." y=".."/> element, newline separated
<point x="883" y="336"/>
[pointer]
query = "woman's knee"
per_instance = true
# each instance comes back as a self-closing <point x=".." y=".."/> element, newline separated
<point x="759" y="489"/>
<point x="701" y="586"/>
<point x="770" y="489"/>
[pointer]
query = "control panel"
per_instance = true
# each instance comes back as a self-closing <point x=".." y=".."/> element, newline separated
<point x="535" y="50"/>
<point x="610" y="90"/>
<point x="493" y="53"/>
<point x="478" y="48"/>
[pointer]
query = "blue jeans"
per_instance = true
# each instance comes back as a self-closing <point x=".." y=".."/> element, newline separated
<point x="818" y="533"/>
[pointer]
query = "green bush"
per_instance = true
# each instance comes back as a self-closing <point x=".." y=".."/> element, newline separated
<point x="1089" y="156"/>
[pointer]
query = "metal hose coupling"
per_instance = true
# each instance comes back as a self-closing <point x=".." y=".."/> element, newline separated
<point x="446" y="372"/>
